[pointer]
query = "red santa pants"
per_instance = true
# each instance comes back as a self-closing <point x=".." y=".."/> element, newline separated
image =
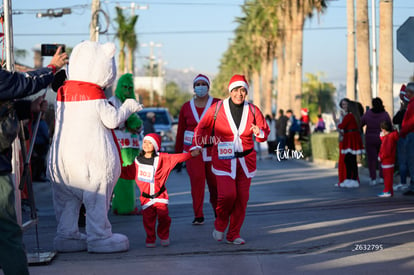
<point x="341" y="166"/>
<point x="149" y="218"/>
<point x="200" y="171"/>
<point x="388" y="174"/>
<point x="233" y="195"/>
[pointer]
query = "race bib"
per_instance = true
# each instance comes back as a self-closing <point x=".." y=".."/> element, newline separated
<point x="145" y="173"/>
<point x="188" y="137"/>
<point x="225" y="150"/>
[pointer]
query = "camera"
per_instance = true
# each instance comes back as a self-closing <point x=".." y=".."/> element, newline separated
<point x="50" y="49"/>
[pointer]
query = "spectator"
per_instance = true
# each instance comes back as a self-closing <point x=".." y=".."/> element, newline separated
<point x="41" y="146"/>
<point x="304" y="124"/>
<point x="271" y="139"/>
<point x="401" y="151"/>
<point x="149" y="123"/>
<point x="372" y="120"/>
<point x="15" y="85"/>
<point x="320" y="125"/>
<point x="351" y="142"/>
<point x="292" y="130"/>
<point x="281" y="125"/>
<point x="407" y="132"/>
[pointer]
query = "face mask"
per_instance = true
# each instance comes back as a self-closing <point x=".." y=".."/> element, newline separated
<point x="201" y="91"/>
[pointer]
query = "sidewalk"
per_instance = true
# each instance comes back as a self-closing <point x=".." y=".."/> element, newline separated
<point x="297" y="222"/>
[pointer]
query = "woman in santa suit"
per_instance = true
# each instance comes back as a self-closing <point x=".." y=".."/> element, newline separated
<point x="351" y="142"/>
<point x="198" y="168"/>
<point x="232" y="123"/>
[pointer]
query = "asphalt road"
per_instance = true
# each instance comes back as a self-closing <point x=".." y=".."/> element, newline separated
<point x="297" y="222"/>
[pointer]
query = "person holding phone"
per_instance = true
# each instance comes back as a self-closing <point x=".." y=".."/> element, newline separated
<point x="15" y="85"/>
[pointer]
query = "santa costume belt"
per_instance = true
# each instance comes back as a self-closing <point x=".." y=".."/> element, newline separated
<point x="350" y="130"/>
<point x="242" y="154"/>
<point x="148" y="196"/>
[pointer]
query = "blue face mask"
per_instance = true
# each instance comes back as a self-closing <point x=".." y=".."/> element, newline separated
<point x="201" y="91"/>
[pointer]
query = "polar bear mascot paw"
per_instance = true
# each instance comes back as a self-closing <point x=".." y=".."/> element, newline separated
<point x="84" y="161"/>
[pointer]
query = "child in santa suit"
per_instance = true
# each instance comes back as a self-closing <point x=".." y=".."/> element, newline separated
<point x="151" y="171"/>
<point x="386" y="156"/>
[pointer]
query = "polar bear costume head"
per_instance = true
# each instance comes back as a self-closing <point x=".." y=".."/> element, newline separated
<point x="93" y="62"/>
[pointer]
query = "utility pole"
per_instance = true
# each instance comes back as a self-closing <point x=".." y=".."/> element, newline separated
<point x="151" y="58"/>
<point x="94" y="27"/>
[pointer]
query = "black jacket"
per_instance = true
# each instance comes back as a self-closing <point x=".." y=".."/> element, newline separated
<point x="15" y="86"/>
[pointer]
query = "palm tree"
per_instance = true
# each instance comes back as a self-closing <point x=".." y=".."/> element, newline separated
<point x="127" y="37"/>
<point x="131" y="43"/>
<point x="362" y="49"/>
<point x="385" y="70"/>
<point x="350" y="72"/>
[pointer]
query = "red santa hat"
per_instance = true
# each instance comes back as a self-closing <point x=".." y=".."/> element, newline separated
<point x="238" y="80"/>
<point x="203" y="78"/>
<point x="304" y="111"/>
<point x="403" y="94"/>
<point x="155" y="139"/>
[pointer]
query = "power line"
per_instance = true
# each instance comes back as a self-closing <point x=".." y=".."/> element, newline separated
<point x="178" y="32"/>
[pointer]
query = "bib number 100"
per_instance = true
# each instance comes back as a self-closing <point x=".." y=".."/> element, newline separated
<point x="226" y="151"/>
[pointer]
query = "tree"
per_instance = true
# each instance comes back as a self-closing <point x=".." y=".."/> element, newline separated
<point x="317" y="96"/>
<point x="386" y="63"/>
<point x="362" y="49"/>
<point x="175" y="98"/>
<point x="350" y="71"/>
<point x="127" y="38"/>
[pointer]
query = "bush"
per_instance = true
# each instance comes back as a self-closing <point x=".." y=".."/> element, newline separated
<point x="325" y="146"/>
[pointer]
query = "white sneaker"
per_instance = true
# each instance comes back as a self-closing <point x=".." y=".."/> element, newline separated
<point x="353" y="184"/>
<point x="217" y="235"/>
<point x="237" y="241"/>
<point x="400" y="187"/>
<point x="165" y="242"/>
<point x="372" y="182"/>
<point x="350" y="183"/>
<point x="344" y="184"/>
<point x="397" y="187"/>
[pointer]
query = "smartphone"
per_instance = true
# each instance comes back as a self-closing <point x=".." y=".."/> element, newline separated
<point x="50" y="49"/>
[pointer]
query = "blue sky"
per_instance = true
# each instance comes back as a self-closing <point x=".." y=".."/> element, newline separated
<point x="194" y="34"/>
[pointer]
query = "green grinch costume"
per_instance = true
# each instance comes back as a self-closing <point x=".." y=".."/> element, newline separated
<point x="124" y="197"/>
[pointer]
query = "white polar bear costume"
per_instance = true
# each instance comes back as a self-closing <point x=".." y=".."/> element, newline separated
<point x="84" y="160"/>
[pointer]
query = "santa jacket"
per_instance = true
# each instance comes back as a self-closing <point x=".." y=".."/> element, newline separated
<point x="388" y="149"/>
<point x="352" y="141"/>
<point x="407" y="125"/>
<point x="225" y="130"/>
<point x="189" y="117"/>
<point x="151" y="179"/>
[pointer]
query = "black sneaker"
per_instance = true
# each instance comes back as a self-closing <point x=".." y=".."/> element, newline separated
<point x="198" y="221"/>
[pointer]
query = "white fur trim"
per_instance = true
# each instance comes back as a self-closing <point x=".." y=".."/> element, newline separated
<point x="154" y="143"/>
<point x="202" y="78"/>
<point x="237" y="84"/>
